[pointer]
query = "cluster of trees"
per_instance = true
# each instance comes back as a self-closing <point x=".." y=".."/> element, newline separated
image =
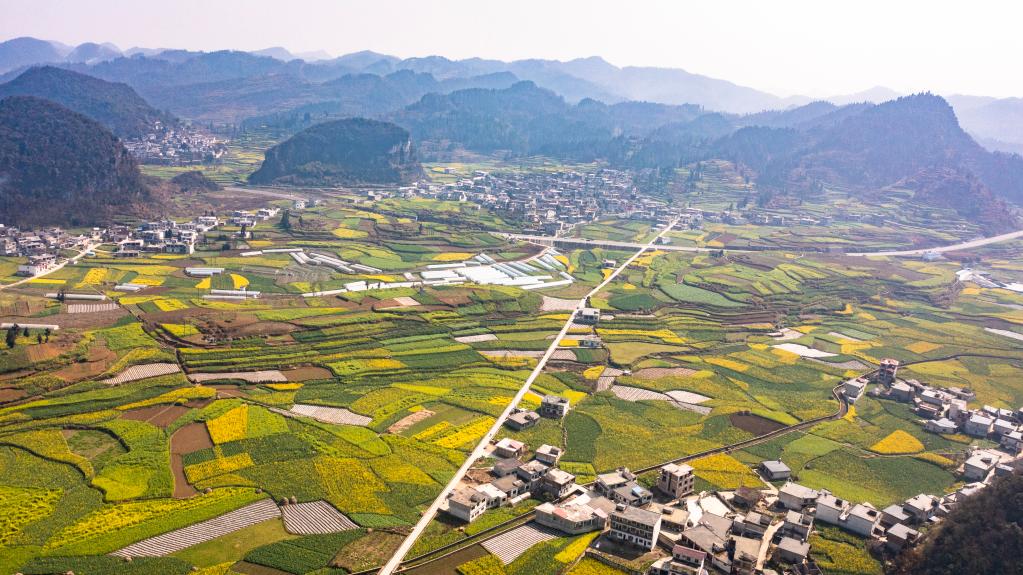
<point x="11" y="336"/>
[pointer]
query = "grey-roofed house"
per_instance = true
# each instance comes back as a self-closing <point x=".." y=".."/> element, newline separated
<point x="861" y="519"/>
<point x="557" y="483"/>
<point x="554" y="406"/>
<point x="920" y="507"/>
<point x="893" y="514"/>
<point x="632" y="494"/>
<point x="531" y="473"/>
<point x="466" y="504"/>
<point x="796" y="497"/>
<point x="506" y="466"/>
<point x="508" y="447"/>
<point x="548" y="454"/>
<point x="511" y="485"/>
<point x="522" y="420"/>
<point x="942" y="425"/>
<point x="792" y="551"/>
<point x="775" y="470"/>
<point x="900" y="536"/>
<point x="608" y="482"/>
<point x="978" y="466"/>
<point x="978" y="425"/>
<point x="797" y="525"/>
<point x="829" y="509"/>
<point x="676" y="480"/>
<point x="636" y="527"/>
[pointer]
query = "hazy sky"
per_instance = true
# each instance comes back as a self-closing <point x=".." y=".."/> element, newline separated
<point x="817" y="47"/>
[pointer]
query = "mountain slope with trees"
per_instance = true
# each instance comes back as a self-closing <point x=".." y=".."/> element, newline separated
<point x="343" y="152"/>
<point x="114" y="105"/>
<point x="58" y="167"/>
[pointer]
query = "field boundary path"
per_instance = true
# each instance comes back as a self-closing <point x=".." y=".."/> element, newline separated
<point x="478" y="451"/>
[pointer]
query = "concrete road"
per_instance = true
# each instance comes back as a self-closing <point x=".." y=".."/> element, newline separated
<point x="478" y="452"/>
<point x="954" y="247"/>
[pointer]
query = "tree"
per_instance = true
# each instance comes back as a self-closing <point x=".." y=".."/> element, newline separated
<point x="286" y="220"/>
<point x="12" y="336"/>
<point x="25" y="333"/>
<point x="39" y="338"/>
<point x="47" y="333"/>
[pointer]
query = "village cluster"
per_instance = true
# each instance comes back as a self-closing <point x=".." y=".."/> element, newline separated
<point x="176" y="146"/>
<point x="671" y="530"/>
<point x="550" y="203"/>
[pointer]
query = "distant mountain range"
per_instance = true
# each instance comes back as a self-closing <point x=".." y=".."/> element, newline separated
<point x="275" y="80"/>
<point x="60" y="167"/>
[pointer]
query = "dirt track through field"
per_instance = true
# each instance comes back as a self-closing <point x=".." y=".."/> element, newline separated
<point x="189" y="438"/>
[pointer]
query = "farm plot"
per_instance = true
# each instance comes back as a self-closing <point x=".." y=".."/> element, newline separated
<point x="137" y="372"/>
<point x="91" y="307"/>
<point x="264" y="376"/>
<point x="201" y="532"/>
<point x="338" y="415"/>
<point x="315" y="517"/>
<point x="510" y="545"/>
<point x="680" y="399"/>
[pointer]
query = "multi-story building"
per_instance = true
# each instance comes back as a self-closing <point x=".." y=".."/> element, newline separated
<point x="636" y="527"/>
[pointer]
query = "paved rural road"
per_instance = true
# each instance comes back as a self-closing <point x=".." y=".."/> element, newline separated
<point x="609" y="243"/>
<point x="670" y="248"/>
<point x="954" y="247"/>
<point x="73" y="259"/>
<point x="262" y="192"/>
<point x="478" y="452"/>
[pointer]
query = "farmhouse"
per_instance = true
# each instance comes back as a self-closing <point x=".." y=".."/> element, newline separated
<point x="919" y="508"/>
<point x="531" y="473"/>
<point x="797" y="525"/>
<point x="978" y="466"/>
<point x="506" y="466"/>
<point x="1012" y="442"/>
<point x="775" y="470"/>
<point x="522" y="420"/>
<point x="608" y="482"/>
<point x="830" y="508"/>
<point x="554" y="406"/>
<point x="467" y="504"/>
<point x="853" y="389"/>
<point x="508" y="447"/>
<point x="548" y="454"/>
<point x="636" y="527"/>
<point x="587" y="316"/>
<point x="942" y="425"/>
<point x="579" y="515"/>
<point x="886" y="371"/>
<point x="631" y="493"/>
<point x="557" y="483"/>
<point x="978" y="425"/>
<point x="495" y="497"/>
<point x="791" y="550"/>
<point x="511" y="486"/>
<point x="796" y="497"/>
<point x="861" y="519"/>
<point x="900" y="536"/>
<point x="676" y="480"/>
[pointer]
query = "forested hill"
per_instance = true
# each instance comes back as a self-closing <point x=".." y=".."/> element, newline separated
<point x="114" y="105"/>
<point x="340" y="153"/>
<point x="58" y="167"/>
<point x="983" y="534"/>
<point x="527" y="119"/>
